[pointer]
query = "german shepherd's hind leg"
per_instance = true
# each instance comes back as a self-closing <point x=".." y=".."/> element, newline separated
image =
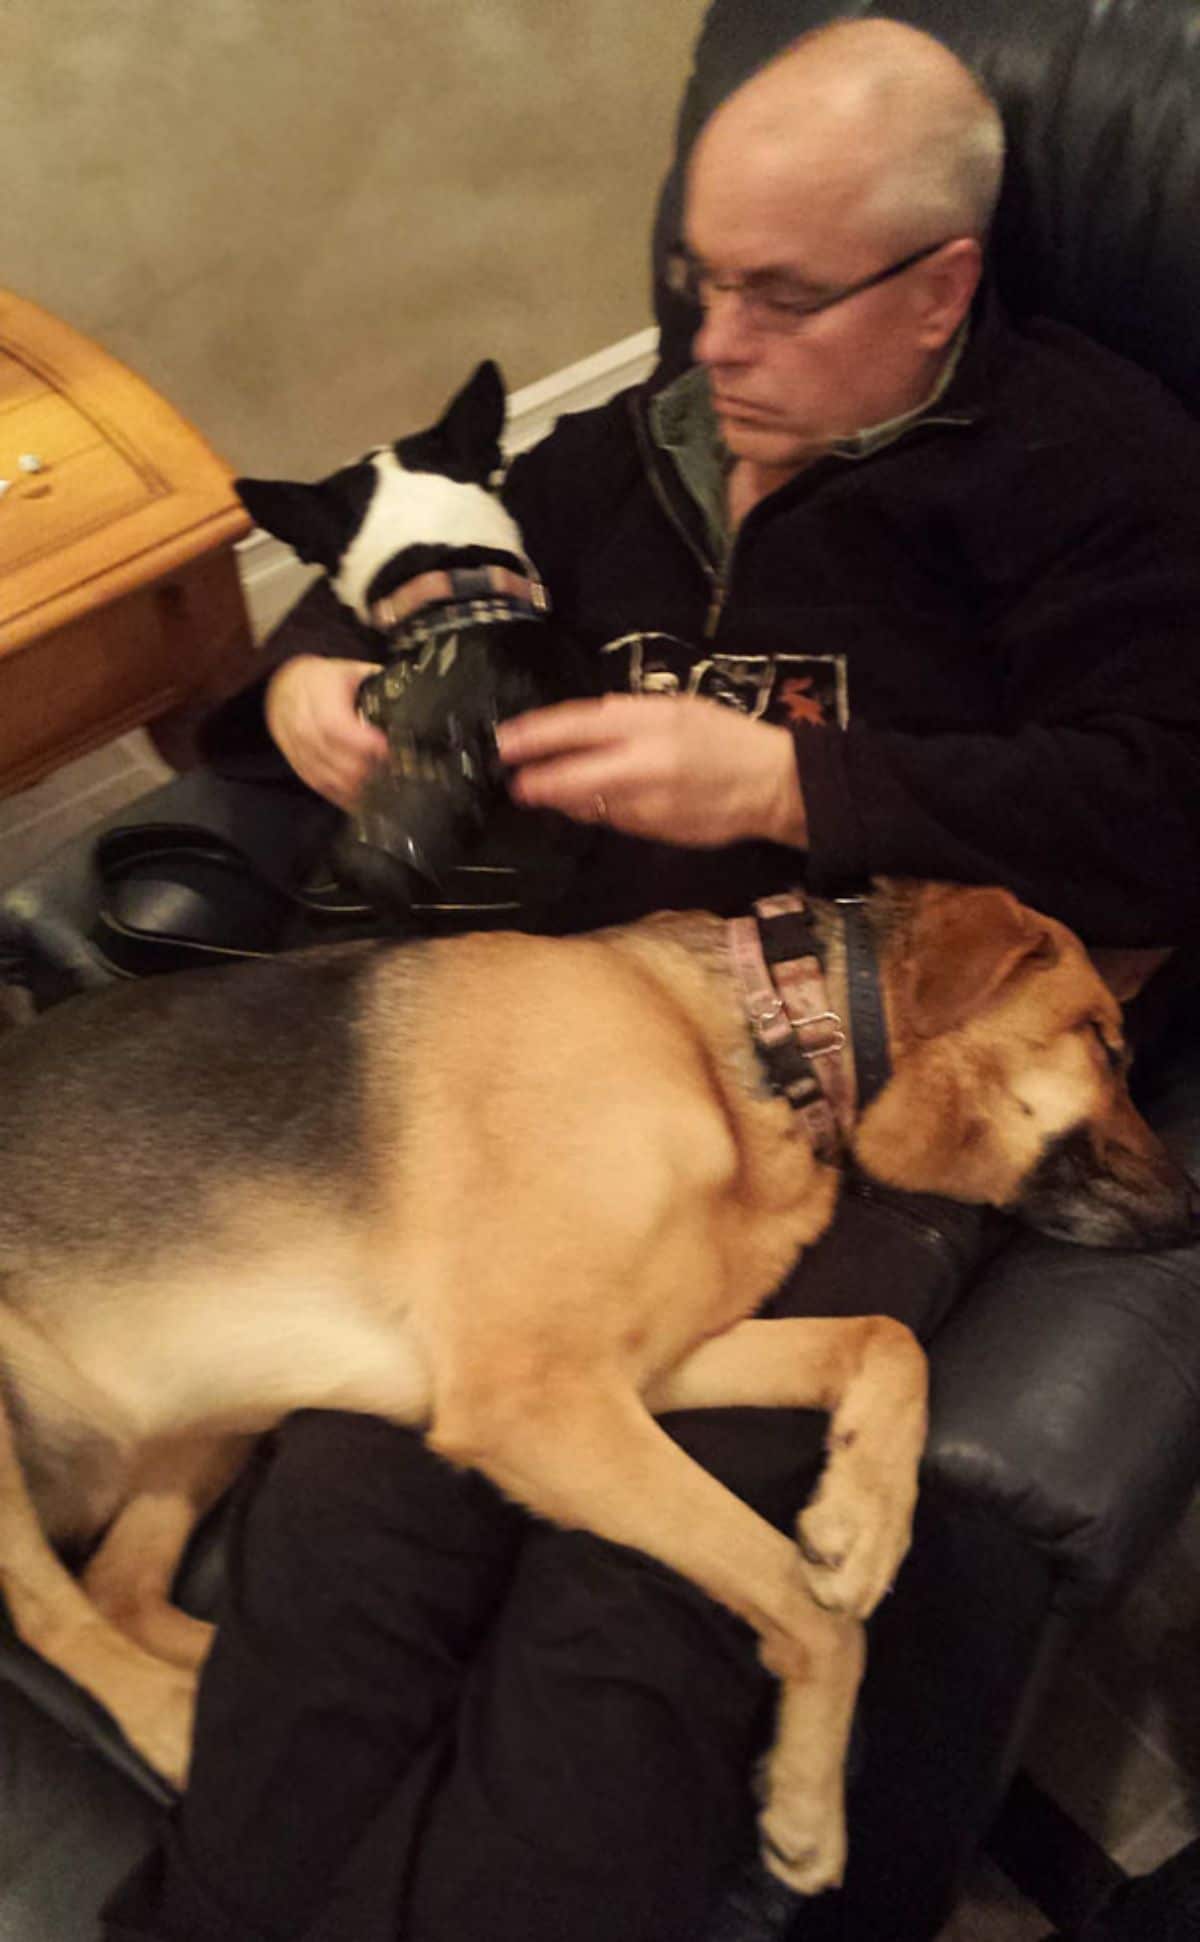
<point x="870" y="1374"/>
<point x="152" y="1702"/>
<point x="578" y="1447"/>
<point x="130" y="1575"/>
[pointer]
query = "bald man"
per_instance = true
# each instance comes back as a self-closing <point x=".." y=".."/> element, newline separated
<point x="970" y="552"/>
<point x="871" y="481"/>
<point x="866" y="145"/>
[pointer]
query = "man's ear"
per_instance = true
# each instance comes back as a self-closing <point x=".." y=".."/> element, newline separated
<point x="965" y="947"/>
<point x="947" y="291"/>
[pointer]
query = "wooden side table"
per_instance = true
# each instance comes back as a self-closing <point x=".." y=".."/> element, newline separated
<point x="119" y="594"/>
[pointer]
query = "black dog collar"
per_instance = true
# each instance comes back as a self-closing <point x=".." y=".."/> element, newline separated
<point x="864" y="999"/>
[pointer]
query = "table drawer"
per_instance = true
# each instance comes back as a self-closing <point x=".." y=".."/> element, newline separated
<point x="86" y="482"/>
<point x="119" y="594"/>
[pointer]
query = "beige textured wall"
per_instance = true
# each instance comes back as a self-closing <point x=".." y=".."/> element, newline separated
<point x="305" y="220"/>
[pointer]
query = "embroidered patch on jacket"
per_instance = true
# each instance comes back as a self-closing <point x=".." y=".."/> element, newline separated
<point x="788" y="689"/>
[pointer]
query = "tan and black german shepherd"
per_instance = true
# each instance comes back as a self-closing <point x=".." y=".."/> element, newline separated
<point x="526" y="1194"/>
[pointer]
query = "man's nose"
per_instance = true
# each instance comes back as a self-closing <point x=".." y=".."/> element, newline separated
<point x="726" y="335"/>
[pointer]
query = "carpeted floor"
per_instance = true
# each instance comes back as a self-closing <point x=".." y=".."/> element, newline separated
<point x="994" y="1911"/>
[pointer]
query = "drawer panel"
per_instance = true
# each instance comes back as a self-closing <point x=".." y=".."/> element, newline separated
<point x="130" y="492"/>
<point x="18" y="384"/>
<point x="86" y="483"/>
<point x="83" y="490"/>
<point x="51" y="427"/>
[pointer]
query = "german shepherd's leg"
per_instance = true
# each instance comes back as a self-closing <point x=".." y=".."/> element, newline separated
<point x="130" y="1576"/>
<point x="151" y="1702"/>
<point x="803" y="1780"/>
<point x="870" y="1374"/>
<point x="585" y="1454"/>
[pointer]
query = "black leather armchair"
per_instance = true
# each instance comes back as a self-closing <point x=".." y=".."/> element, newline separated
<point x="1066" y="1386"/>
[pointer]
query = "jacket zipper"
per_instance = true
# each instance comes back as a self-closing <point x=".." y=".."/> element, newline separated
<point x="716" y="606"/>
<point x="716" y="580"/>
<point x="719" y="578"/>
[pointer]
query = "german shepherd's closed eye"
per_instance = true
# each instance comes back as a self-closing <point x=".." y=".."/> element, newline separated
<point x="524" y="1193"/>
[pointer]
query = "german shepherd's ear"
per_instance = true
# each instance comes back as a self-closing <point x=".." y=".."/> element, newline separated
<point x="1126" y="969"/>
<point x="966" y="946"/>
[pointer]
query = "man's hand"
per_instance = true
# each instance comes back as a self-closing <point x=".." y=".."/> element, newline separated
<point x="313" y="720"/>
<point x="674" y="767"/>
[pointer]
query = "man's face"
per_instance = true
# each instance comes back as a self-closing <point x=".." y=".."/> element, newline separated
<point x="781" y="395"/>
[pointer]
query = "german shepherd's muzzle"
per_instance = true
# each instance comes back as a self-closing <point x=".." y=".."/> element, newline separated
<point x="524" y="1194"/>
<point x="1102" y="1187"/>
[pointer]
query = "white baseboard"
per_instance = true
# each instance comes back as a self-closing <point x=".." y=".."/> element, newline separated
<point x="273" y="578"/>
<point x="591" y="381"/>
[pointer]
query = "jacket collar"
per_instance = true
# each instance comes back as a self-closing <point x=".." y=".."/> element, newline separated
<point x="680" y="443"/>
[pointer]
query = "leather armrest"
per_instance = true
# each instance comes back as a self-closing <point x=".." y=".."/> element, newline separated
<point x="1066" y="1388"/>
<point x="70" y="1826"/>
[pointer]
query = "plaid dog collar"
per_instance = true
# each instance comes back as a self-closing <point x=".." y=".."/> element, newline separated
<point x="458" y="596"/>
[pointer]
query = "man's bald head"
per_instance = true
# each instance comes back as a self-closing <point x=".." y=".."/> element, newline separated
<point x="835" y="212"/>
<point x="892" y="122"/>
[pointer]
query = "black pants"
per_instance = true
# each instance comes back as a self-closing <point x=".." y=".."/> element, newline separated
<point x="428" y="1716"/>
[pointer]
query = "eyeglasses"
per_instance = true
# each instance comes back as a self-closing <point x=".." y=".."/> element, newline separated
<point x="769" y="302"/>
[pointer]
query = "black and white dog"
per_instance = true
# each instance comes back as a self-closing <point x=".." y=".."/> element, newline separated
<point x="417" y="544"/>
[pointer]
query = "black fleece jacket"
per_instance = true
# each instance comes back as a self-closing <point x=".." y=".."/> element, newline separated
<point x="1014" y="585"/>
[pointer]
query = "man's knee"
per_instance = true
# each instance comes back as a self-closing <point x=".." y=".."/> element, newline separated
<point x="350" y="1528"/>
<point x="647" y="1681"/>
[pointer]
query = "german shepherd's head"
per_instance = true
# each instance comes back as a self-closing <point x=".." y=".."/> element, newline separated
<point x="1009" y="1076"/>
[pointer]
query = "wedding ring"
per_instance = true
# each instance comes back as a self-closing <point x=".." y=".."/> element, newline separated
<point x="599" y="808"/>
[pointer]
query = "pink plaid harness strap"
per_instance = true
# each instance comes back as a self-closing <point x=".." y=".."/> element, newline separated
<point x="800" y="1039"/>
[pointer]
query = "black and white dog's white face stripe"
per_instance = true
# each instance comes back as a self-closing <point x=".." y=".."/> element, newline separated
<point x="413" y="509"/>
<point x="428" y="499"/>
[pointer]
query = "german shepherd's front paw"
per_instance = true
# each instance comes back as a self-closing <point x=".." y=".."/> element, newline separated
<point x="853" y="1537"/>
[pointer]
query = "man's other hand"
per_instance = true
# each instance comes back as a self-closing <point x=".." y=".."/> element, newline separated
<point x="311" y="714"/>
<point x="677" y="768"/>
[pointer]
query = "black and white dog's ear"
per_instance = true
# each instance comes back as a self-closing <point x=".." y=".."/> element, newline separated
<point x="465" y="442"/>
<point x="316" y="521"/>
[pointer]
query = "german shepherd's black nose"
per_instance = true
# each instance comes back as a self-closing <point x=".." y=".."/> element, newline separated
<point x="1106" y="1193"/>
